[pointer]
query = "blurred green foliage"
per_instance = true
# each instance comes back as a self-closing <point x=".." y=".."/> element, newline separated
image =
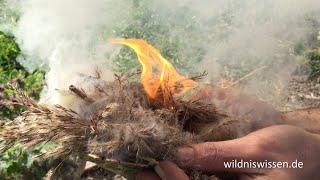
<point x="314" y="63"/>
<point x="16" y="163"/>
<point x="13" y="162"/>
<point x="8" y="16"/>
<point x="12" y="72"/>
<point x="308" y="53"/>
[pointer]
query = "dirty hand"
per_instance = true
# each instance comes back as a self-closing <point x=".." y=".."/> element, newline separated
<point x="281" y="143"/>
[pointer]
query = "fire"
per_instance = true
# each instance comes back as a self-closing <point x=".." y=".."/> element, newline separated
<point x="157" y="72"/>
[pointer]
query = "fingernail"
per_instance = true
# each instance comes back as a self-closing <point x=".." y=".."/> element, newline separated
<point x="185" y="156"/>
<point x="160" y="172"/>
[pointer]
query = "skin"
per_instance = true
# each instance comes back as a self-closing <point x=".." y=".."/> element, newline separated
<point x="271" y="139"/>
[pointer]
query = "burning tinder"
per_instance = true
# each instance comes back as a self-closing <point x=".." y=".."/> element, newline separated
<point x="157" y="72"/>
<point x="124" y="125"/>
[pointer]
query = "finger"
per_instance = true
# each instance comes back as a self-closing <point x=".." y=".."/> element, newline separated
<point x="237" y="104"/>
<point x="246" y="177"/>
<point x="170" y="171"/>
<point x="214" y="156"/>
<point x="307" y="119"/>
<point x="147" y="175"/>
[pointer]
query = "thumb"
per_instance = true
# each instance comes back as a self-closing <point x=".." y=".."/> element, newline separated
<point x="213" y="156"/>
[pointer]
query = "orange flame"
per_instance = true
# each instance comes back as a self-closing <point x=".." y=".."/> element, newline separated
<point x="157" y="72"/>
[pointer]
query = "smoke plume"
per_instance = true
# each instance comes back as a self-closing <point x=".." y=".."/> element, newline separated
<point x="68" y="36"/>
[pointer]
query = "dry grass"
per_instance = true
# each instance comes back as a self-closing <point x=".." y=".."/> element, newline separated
<point x="116" y="123"/>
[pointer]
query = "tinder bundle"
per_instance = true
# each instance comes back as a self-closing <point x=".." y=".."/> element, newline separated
<point x="116" y="122"/>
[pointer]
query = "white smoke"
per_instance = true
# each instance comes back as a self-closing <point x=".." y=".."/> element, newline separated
<point x="67" y="35"/>
<point x="256" y="30"/>
<point x="252" y="34"/>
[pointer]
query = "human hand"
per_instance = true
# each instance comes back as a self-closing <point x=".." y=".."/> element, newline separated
<point x="252" y="114"/>
<point x="275" y="144"/>
<point x="237" y="104"/>
<point x="245" y="114"/>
